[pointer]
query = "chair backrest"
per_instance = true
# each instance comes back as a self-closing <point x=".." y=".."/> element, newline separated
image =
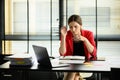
<point x="115" y="73"/>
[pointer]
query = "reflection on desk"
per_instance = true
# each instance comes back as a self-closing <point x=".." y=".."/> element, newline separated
<point x="93" y="66"/>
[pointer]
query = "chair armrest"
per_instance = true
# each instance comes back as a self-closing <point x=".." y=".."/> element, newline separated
<point x="51" y="57"/>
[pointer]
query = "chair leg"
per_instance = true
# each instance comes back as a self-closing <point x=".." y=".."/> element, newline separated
<point x="59" y="75"/>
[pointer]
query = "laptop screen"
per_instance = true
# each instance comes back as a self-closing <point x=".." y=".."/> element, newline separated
<point x="42" y="56"/>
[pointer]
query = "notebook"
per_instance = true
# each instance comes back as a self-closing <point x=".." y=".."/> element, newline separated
<point x="43" y="58"/>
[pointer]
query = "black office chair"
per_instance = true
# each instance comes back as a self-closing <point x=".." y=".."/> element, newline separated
<point x="115" y="73"/>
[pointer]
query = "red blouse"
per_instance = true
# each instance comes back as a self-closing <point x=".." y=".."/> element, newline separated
<point x="69" y="45"/>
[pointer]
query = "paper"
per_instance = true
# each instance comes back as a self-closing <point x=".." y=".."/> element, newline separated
<point x="72" y="58"/>
<point x="19" y="56"/>
<point x="71" y="61"/>
<point x="20" y="59"/>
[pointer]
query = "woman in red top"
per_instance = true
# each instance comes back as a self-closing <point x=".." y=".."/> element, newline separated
<point x="77" y="41"/>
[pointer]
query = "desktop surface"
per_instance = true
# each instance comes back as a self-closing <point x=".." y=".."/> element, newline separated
<point x="100" y="66"/>
<point x="95" y="66"/>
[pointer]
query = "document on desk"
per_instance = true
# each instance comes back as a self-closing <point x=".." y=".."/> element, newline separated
<point x="72" y="58"/>
<point x="71" y="61"/>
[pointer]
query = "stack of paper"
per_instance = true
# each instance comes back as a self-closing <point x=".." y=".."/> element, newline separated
<point x="20" y="60"/>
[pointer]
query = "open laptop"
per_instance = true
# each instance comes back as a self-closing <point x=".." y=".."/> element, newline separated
<point x="43" y="57"/>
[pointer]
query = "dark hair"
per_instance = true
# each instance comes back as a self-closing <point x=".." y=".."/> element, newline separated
<point x="75" y="18"/>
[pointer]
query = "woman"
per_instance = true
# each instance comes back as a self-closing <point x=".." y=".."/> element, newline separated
<point x="77" y="41"/>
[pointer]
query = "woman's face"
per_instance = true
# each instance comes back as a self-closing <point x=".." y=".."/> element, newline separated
<point x="74" y="27"/>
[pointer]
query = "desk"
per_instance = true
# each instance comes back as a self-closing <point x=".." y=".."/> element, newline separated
<point x="96" y="66"/>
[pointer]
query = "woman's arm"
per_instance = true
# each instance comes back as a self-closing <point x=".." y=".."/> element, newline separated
<point x="62" y="48"/>
<point x="89" y="46"/>
<point x="89" y="42"/>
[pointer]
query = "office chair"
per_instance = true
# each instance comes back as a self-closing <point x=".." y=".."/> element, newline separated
<point x="115" y="73"/>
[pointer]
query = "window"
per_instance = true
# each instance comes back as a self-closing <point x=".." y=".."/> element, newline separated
<point x="107" y="13"/>
<point x="30" y="22"/>
<point x="86" y="11"/>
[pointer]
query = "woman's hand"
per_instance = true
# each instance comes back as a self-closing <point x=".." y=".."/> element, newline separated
<point x="63" y="31"/>
<point x="88" y="63"/>
<point x="79" y="38"/>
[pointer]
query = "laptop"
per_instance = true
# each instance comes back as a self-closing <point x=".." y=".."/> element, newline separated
<point x="43" y="58"/>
